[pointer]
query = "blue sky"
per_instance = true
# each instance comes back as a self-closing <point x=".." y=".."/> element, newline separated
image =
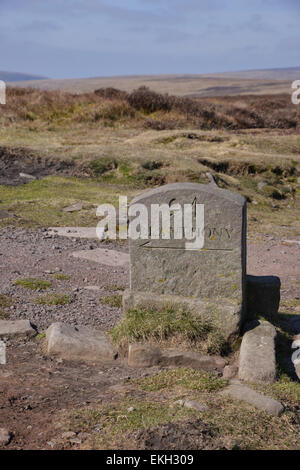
<point x="88" y="38"/>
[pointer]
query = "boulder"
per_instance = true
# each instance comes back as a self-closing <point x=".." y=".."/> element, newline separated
<point x="257" y="361"/>
<point x="79" y="344"/>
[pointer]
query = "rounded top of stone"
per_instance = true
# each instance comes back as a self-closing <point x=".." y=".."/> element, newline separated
<point x="194" y="187"/>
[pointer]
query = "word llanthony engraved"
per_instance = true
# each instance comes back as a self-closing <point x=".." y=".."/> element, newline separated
<point x="168" y="221"/>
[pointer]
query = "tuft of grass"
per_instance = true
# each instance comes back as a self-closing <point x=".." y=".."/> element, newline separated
<point x="114" y="287"/>
<point x="33" y="283"/>
<point x="141" y="325"/>
<point x="53" y="299"/>
<point x="5" y="303"/>
<point x="182" y="377"/>
<point x="61" y="277"/>
<point x="113" y="300"/>
<point x="41" y="336"/>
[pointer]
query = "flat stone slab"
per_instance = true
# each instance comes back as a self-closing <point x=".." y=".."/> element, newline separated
<point x="13" y="328"/>
<point x="75" y="232"/>
<point x="241" y="392"/>
<point x="74" y="207"/>
<point x="103" y="256"/>
<point x="141" y="355"/>
<point x="79" y="344"/>
<point x="257" y="361"/>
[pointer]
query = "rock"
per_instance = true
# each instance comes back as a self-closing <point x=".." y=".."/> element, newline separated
<point x="242" y="392"/>
<point x="192" y="404"/>
<point x="230" y="372"/>
<point x="257" y="361"/>
<point x="296" y="355"/>
<point x="2" y="353"/>
<point x="263" y="296"/>
<point x="296" y="342"/>
<point x="79" y="343"/>
<point x="5" y="436"/>
<point x="74" y="208"/>
<point x="75" y="441"/>
<point x="68" y="435"/>
<point x="141" y="355"/>
<point x="4" y="215"/>
<point x="27" y="176"/>
<point x="104" y="256"/>
<point x="76" y="232"/>
<point x="13" y="328"/>
<point x="83" y="436"/>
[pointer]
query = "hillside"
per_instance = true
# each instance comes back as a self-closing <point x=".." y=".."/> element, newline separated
<point x="256" y="82"/>
<point x="18" y="77"/>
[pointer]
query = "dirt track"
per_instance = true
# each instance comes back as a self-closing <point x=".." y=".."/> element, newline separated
<point x="35" y="388"/>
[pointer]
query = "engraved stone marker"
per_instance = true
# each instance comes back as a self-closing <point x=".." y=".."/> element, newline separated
<point x="206" y="277"/>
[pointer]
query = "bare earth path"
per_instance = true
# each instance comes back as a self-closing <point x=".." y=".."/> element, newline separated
<point x="33" y="387"/>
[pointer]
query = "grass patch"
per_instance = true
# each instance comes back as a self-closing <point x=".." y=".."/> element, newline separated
<point x="53" y="299"/>
<point x="252" y="429"/>
<point x="33" y="283"/>
<point x="182" y="377"/>
<point x="113" y="300"/>
<point x="115" y="420"/>
<point x="141" y="325"/>
<point x="5" y="303"/>
<point x="61" y="277"/>
<point x="114" y="287"/>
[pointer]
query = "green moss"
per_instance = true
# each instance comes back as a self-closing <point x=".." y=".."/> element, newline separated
<point x="33" y="283"/>
<point x="53" y="299"/>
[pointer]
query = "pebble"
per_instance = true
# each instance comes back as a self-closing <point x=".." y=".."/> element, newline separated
<point x="5" y="436"/>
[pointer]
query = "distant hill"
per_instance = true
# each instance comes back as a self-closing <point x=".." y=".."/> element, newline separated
<point x="256" y="82"/>
<point x="18" y="77"/>
<point x="290" y="73"/>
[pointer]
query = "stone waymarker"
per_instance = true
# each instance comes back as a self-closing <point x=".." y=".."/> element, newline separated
<point x="209" y="280"/>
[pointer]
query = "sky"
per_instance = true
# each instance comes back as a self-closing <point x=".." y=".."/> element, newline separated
<point x="93" y="38"/>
